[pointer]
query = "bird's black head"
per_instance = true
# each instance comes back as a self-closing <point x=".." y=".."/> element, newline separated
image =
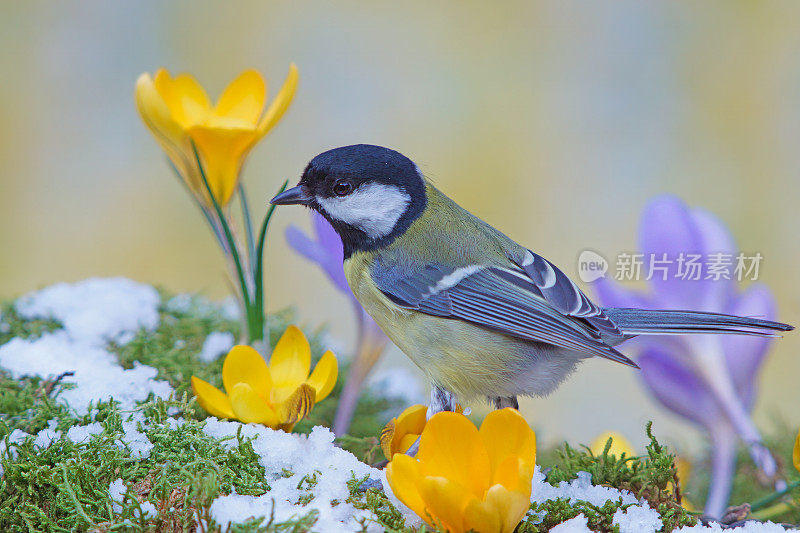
<point x="369" y="194"/>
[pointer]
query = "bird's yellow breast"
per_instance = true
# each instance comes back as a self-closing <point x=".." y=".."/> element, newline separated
<point x="463" y="358"/>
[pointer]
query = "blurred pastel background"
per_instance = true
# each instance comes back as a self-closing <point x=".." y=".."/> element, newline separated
<point x="554" y="121"/>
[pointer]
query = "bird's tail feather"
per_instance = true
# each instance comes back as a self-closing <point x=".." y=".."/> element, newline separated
<point x="668" y="322"/>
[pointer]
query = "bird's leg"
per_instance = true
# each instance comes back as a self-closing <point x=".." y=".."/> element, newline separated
<point x="441" y="400"/>
<point x="500" y="402"/>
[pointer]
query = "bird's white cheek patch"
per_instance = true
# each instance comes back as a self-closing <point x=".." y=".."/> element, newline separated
<point x="373" y="208"/>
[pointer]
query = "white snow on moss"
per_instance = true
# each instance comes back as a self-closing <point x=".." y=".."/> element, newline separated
<point x="48" y="435"/>
<point x="579" y="524"/>
<point x="750" y="527"/>
<point x="216" y="344"/>
<point x="79" y="434"/>
<point x="95" y="310"/>
<point x="116" y="491"/>
<point x="134" y="440"/>
<point x="8" y="446"/>
<point x="636" y="519"/>
<point x="95" y="372"/>
<point x="281" y="453"/>
<point x="580" y="488"/>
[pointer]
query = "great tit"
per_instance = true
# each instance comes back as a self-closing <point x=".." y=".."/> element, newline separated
<point x="478" y="313"/>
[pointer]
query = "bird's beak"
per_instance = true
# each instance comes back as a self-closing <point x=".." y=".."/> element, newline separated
<point x="293" y="196"/>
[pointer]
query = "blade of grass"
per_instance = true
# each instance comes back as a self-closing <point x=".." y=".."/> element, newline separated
<point x="248" y="228"/>
<point x="259" y="270"/>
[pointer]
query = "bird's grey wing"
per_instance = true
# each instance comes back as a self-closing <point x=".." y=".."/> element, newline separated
<point x="500" y="299"/>
<point x="560" y="292"/>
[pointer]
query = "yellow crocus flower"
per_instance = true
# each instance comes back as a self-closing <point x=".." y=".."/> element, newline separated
<point x="796" y="452"/>
<point x="404" y="430"/>
<point x="178" y="111"/>
<point x="466" y="479"/>
<point x="277" y="395"/>
<point x="619" y="445"/>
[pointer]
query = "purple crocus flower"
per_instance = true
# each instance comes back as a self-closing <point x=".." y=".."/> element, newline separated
<point x="710" y="380"/>
<point x="325" y="249"/>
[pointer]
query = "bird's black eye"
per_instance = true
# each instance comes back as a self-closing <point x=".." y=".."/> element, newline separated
<point x="342" y="188"/>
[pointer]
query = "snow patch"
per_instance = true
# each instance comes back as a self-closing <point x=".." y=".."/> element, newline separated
<point x="116" y="491"/>
<point x="579" y="524"/>
<point x="47" y="436"/>
<point x="280" y="453"/>
<point x="96" y="372"/>
<point x="95" y="310"/>
<point x="750" y="527"/>
<point x="580" y="488"/>
<point x="79" y="434"/>
<point x="216" y="344"/>
<point x="637" y="519"/>
<point x="134" y="440"/>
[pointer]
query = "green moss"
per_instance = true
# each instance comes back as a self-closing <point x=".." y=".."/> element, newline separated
<point x="378" y="503"/>
<point x="12" y="325"/>
<point x="28" y="404"/>
<point x="552" y="512"/>
<point x="65" y="485"/>
<point x="653" y="477"/>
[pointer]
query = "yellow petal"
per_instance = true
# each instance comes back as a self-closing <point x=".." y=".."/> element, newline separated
<point x="482" y="516"/>
<point x="406" y="442"/>
<point x="404" y="478"/>
<point x="290" y="360"/>
<point x="501" y="510"/>
<point x="445" y="500"/>
<point x="514" y="474"/>
<point x="245" y="365"/>
<point x="619" y="445"/>
<point x="297" y="406"/>
<point x="281" y="103"/>
<point x="169" y="134"/>
<point x="505" y="432"/>
<point x="323" y="378"/>
<point x="249" y="407"/>
<point x="796" y="453"/>
<point x="212" y="399"/>
<point x="155" y="113"/>
<point x="411" y="421"/>
<point x="222" y="151"/>
<point x="243" y="98"/>
<point x="407" y="426"/>
<point x="186" y="99"/>
<point x="450" y="447"/>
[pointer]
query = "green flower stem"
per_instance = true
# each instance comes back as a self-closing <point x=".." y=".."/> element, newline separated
<point x="252" y="320"/>
<point x="763" y="502"/>
<point x="248" y="228"/>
